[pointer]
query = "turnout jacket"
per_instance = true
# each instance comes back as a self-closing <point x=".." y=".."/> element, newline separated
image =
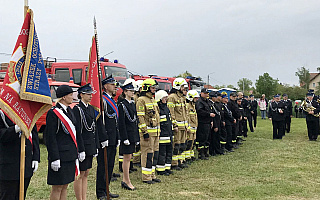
<point x="165" y="120"/>
<point x="60" y="145"/>
<point x="148" y="114"/>
<point x="10" y="143"/>
<point x="111" y="127"/>
<point x="128" y="121"/>
<point x="192" y="115"/>
<point x="274" y="111"/>
<point x="177" y="105"/>
<point x="86" y="125"/>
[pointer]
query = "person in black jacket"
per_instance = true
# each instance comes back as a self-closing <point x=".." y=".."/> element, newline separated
<point x="287" y="111"/>
<point x="223" y="131"/>
<point x="63" y="144"/>
<point x="229" y="121"/>
<point x="163" y="166"/>
<point x="246" y="104"/>
<point x="311" y="109"/>
<point x="205" y="123"/>
<point x="129" y="132"/>
<point x="86" y="124"/>
<point x="254" y="110"/>
<point x="108" y="136"/>
<point x="10" y="158"/>
<point x="234" y="108"/>
<point x="276" y="114"/>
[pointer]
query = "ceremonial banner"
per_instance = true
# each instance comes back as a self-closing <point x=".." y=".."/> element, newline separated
<point x="93" y="78"/>
<point x="26" y="95"/>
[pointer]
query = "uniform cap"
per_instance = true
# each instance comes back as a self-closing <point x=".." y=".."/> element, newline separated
<point x="109" y="80"/>
<point x="128" y="86"/>
<point x="63" y="90"/>
<point x="213" y="94"/>
<point x="86" y="89"/>
<point x="204" y="90"/>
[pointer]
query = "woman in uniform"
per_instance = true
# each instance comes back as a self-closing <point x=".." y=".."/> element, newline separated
<point x="129" y="133"/>
<point x="86" y="126"/>
<point x="62" y="144"/>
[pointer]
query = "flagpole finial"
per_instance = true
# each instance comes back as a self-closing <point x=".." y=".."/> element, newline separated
<point x="95" y="25"/>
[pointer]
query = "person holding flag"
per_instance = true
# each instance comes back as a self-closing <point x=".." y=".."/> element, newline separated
<point x="24" y="97"/>
<point x="63" y="144"/>
<point x="86" y="124"/>
<point x="111" y="132"/>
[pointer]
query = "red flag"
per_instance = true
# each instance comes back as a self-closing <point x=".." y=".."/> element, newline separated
<point x="25" y="95"/>
<point x="93" y="78"/>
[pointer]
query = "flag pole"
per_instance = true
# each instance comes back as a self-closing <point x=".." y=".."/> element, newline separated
<point x="101" y="105"/>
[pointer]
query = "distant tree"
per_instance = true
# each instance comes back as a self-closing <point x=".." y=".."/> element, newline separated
<point x="232" y="87"/>
<point x="304" y="77"/>
<point x="244" y="84"/>
<point x="184" y="74"/>
<point x="266" y="85"/>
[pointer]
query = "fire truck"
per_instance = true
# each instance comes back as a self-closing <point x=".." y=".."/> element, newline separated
<point x="164" y="83"/>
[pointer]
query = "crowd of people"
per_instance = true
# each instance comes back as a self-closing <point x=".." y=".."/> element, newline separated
<point x="155" y="130"/>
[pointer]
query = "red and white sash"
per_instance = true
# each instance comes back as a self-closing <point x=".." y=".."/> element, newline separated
<point x="71" y="129"/>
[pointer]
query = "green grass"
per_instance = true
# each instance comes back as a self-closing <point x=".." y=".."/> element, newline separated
<point x="261" y="169"/>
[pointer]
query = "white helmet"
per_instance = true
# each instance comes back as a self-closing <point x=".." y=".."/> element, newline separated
<point x="178" y="82"/>
<point x="160" y="94"/>
<point x="130" y="80"/>
<point x="192" y="94"/>
<point x="138" y="85"/>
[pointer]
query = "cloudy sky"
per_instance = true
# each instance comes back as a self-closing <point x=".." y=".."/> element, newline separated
<point x="228" y="39"/>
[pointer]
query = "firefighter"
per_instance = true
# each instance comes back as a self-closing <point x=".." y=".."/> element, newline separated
<point x="192" y="97"/>
<point x="178" y="112"/>
<point x="137" y="154"/>
<point x="149" y="130"/>
<point x="234" y="108"/>
<point x="165" y="141"/>
<point x="229" y="120"/>
<point x="223" y="131"/>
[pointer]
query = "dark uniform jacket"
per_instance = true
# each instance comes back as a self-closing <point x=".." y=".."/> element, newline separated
<point x="254" y="105"/>
<point x="60" y="145"/>
<point x="274" y="111"/>
<point x="241" y="111"/>
<point x="216" y="110"/>
<point x="227" y="114"/>
<point x="246" y="105"/>
<point x="128" y="122"/>
<point x="316" y="105"/>
<point x="287" y="108"/>
<point x="203" y="108"/>
<point x="110" y="125"/>
<point x="86" y="125"/>
<point x="218" y="106"/>
<point x="234" y="108"/>
<point x="165" y="120"/>
<point x="10" y="151"/>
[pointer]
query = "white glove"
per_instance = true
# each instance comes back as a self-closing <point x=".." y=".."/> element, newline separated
<point x="95" y="155"/>
<point x="82" y="156"/>
<point x="55" y="165"/>
<point x="35" y="165"/>
<point x="126" y="142"/>
<point x="17" y="128"/>
<point x="105" y="143"/>
<point x="137" y="143"/>
<point x="119" y="141"/>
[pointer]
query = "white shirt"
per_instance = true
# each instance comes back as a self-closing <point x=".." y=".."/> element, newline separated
<point x="63" y="106"/>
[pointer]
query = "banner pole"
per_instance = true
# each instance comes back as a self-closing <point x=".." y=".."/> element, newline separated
<point x="22" y="165"/>
<point x="101" y="106"/>
<point x="26" y="7"/>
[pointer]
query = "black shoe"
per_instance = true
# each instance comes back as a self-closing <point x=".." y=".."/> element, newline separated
<point x="169" y="171"/>
<point x="103" y="198"/>
<point x="125" y="186"/>
<point x="148" y="182"/>
<point x="115" y="175"/>
<point x="176" y="168"/>
<point x="163" y="173"/>
<point x="113" y="179"/>
<point x="113" y="195"/>
<point x="235" y="147"/>
<point x="156" y="180"/>
<point x="230" y="150"/>
<point x="133" y="169"/>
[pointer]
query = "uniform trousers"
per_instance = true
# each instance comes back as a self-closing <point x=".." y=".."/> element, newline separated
<point x="288" y="123"/>
<point x="313" y="129"/>
<point x="229" y="137"/>
<point x="101" y="177"/>
<point x="278" y="129"/>
<point x="250" y="122"/>
<point x="149" y="157"/>
<point x="9" y="190"/>
<point x="223" y="135"/>
<point x="254" y="118"/>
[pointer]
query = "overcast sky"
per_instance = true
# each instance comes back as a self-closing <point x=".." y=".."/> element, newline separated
<point x="228" y="39"/>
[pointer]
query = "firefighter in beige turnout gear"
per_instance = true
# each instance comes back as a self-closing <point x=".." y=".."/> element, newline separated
<point x="192" y="97"/>
<point x="149" y="130"/>
<point x="177" y="106"/>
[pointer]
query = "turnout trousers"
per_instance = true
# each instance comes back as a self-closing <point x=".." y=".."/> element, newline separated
<point x="191" y="137"/>
<point x="179" y="146"/>
<point x="149" y="157"/>
<point x="165" y="154"/>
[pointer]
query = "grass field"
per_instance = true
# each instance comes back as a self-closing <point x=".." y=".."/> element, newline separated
<point x="261" y="169"/>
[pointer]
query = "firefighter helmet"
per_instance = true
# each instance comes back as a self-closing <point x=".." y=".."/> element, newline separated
<point x="146" y="84"/>
<point x="178" y="82"/>
<point x="192" y="94"/>
<point x="160" y="94"/>
<point x="138" y="85"/>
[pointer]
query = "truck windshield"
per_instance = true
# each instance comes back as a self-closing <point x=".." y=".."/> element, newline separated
<point x="116" y="72"/>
